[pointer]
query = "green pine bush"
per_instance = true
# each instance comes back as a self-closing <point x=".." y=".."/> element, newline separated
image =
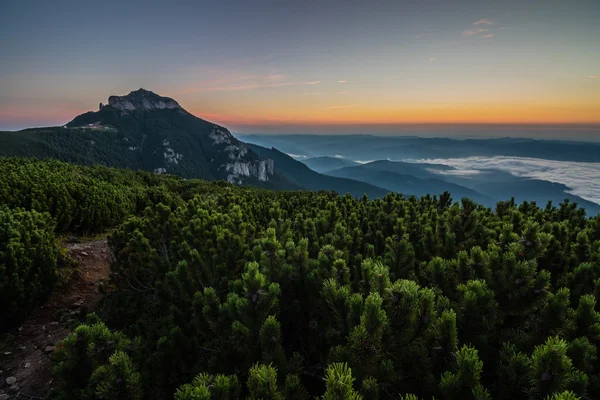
<point x="28" y="261"/>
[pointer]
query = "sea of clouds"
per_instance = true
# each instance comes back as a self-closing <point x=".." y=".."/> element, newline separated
<point x="582" y="178"/>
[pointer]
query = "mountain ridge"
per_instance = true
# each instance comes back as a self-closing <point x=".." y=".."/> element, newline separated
<point x="377" y="147"/>
<point x="325" y="163"/>
<point x="488" y="187"/>
<point x="409" y="184"/>
<point x="143" y="130"/>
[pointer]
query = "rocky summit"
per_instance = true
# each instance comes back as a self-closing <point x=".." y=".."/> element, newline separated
<point x="142" y="100"/>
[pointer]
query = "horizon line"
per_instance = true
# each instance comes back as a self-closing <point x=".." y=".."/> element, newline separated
<point x="555" y="125"/>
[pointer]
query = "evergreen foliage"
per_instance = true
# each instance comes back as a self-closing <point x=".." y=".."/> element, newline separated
<point x="92" y="363"/>
<point x="80" y="199"/>
<point x="28" y="261"/>
<point x="244" y="293"/>
<point x="223" y="292"/>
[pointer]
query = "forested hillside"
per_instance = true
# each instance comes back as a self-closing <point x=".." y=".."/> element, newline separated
<point x="222" y="292"/>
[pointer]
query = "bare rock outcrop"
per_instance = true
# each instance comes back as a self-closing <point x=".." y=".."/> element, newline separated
<point x="142" y="100"/>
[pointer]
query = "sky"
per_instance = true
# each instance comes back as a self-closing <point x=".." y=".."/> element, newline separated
<point x="320" y="66"/>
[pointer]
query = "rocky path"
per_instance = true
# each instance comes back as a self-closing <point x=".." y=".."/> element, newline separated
<point x="25" y="367"/>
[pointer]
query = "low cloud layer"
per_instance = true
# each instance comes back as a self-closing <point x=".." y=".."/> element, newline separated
<point x="582" y="178"/>
<point x="456" y="172"/>
<point x="297" y="156"/>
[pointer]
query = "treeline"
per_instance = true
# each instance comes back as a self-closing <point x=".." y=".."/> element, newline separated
<point x="80" y="199"/>
<point x="243" y="293"/>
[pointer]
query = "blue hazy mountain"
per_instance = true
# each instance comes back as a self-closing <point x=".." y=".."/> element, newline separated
<point x="370" y="148"/>
<point x="486" y="187"/>
<point x="419" y="170"/>
<point x="502" y="185"/>
<point x="324" y="164"/>
<point x="409" y="184"/>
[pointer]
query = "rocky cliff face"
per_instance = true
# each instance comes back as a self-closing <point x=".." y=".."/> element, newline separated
<point x="239" y="166"/>
<point x="260" y="169"/>
<point x="142" y="100"/>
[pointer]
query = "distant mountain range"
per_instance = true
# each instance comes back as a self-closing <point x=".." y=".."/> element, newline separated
<point x="324" y="164"/>
<point x="408" y="179"/>
<point x="306" y="178"/>
<point x="486" y="188"/>
<point x="337" y="155"/>
<point x="371" y="148"/>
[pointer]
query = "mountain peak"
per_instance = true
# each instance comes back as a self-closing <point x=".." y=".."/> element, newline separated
<point x="142" y="99"/>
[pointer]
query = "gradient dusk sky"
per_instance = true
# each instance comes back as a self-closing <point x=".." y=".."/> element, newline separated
<point x="307" y="66"/>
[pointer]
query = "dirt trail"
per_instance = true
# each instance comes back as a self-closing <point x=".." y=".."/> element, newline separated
<point x="26" y="351"/>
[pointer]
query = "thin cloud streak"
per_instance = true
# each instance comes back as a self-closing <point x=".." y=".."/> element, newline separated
<point x="248" y="82"/>
<point x="471" y="32"/>
<point x="488" y="36"/>
<point x="484" y="21"/>
<point x="297" y="156"/>
<point x="433" y="59"/>
<point x="477" y="30"/>
<point x="455" y="172"/>
<point x="339" y="107"/>
<point x="244" y="82"/>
